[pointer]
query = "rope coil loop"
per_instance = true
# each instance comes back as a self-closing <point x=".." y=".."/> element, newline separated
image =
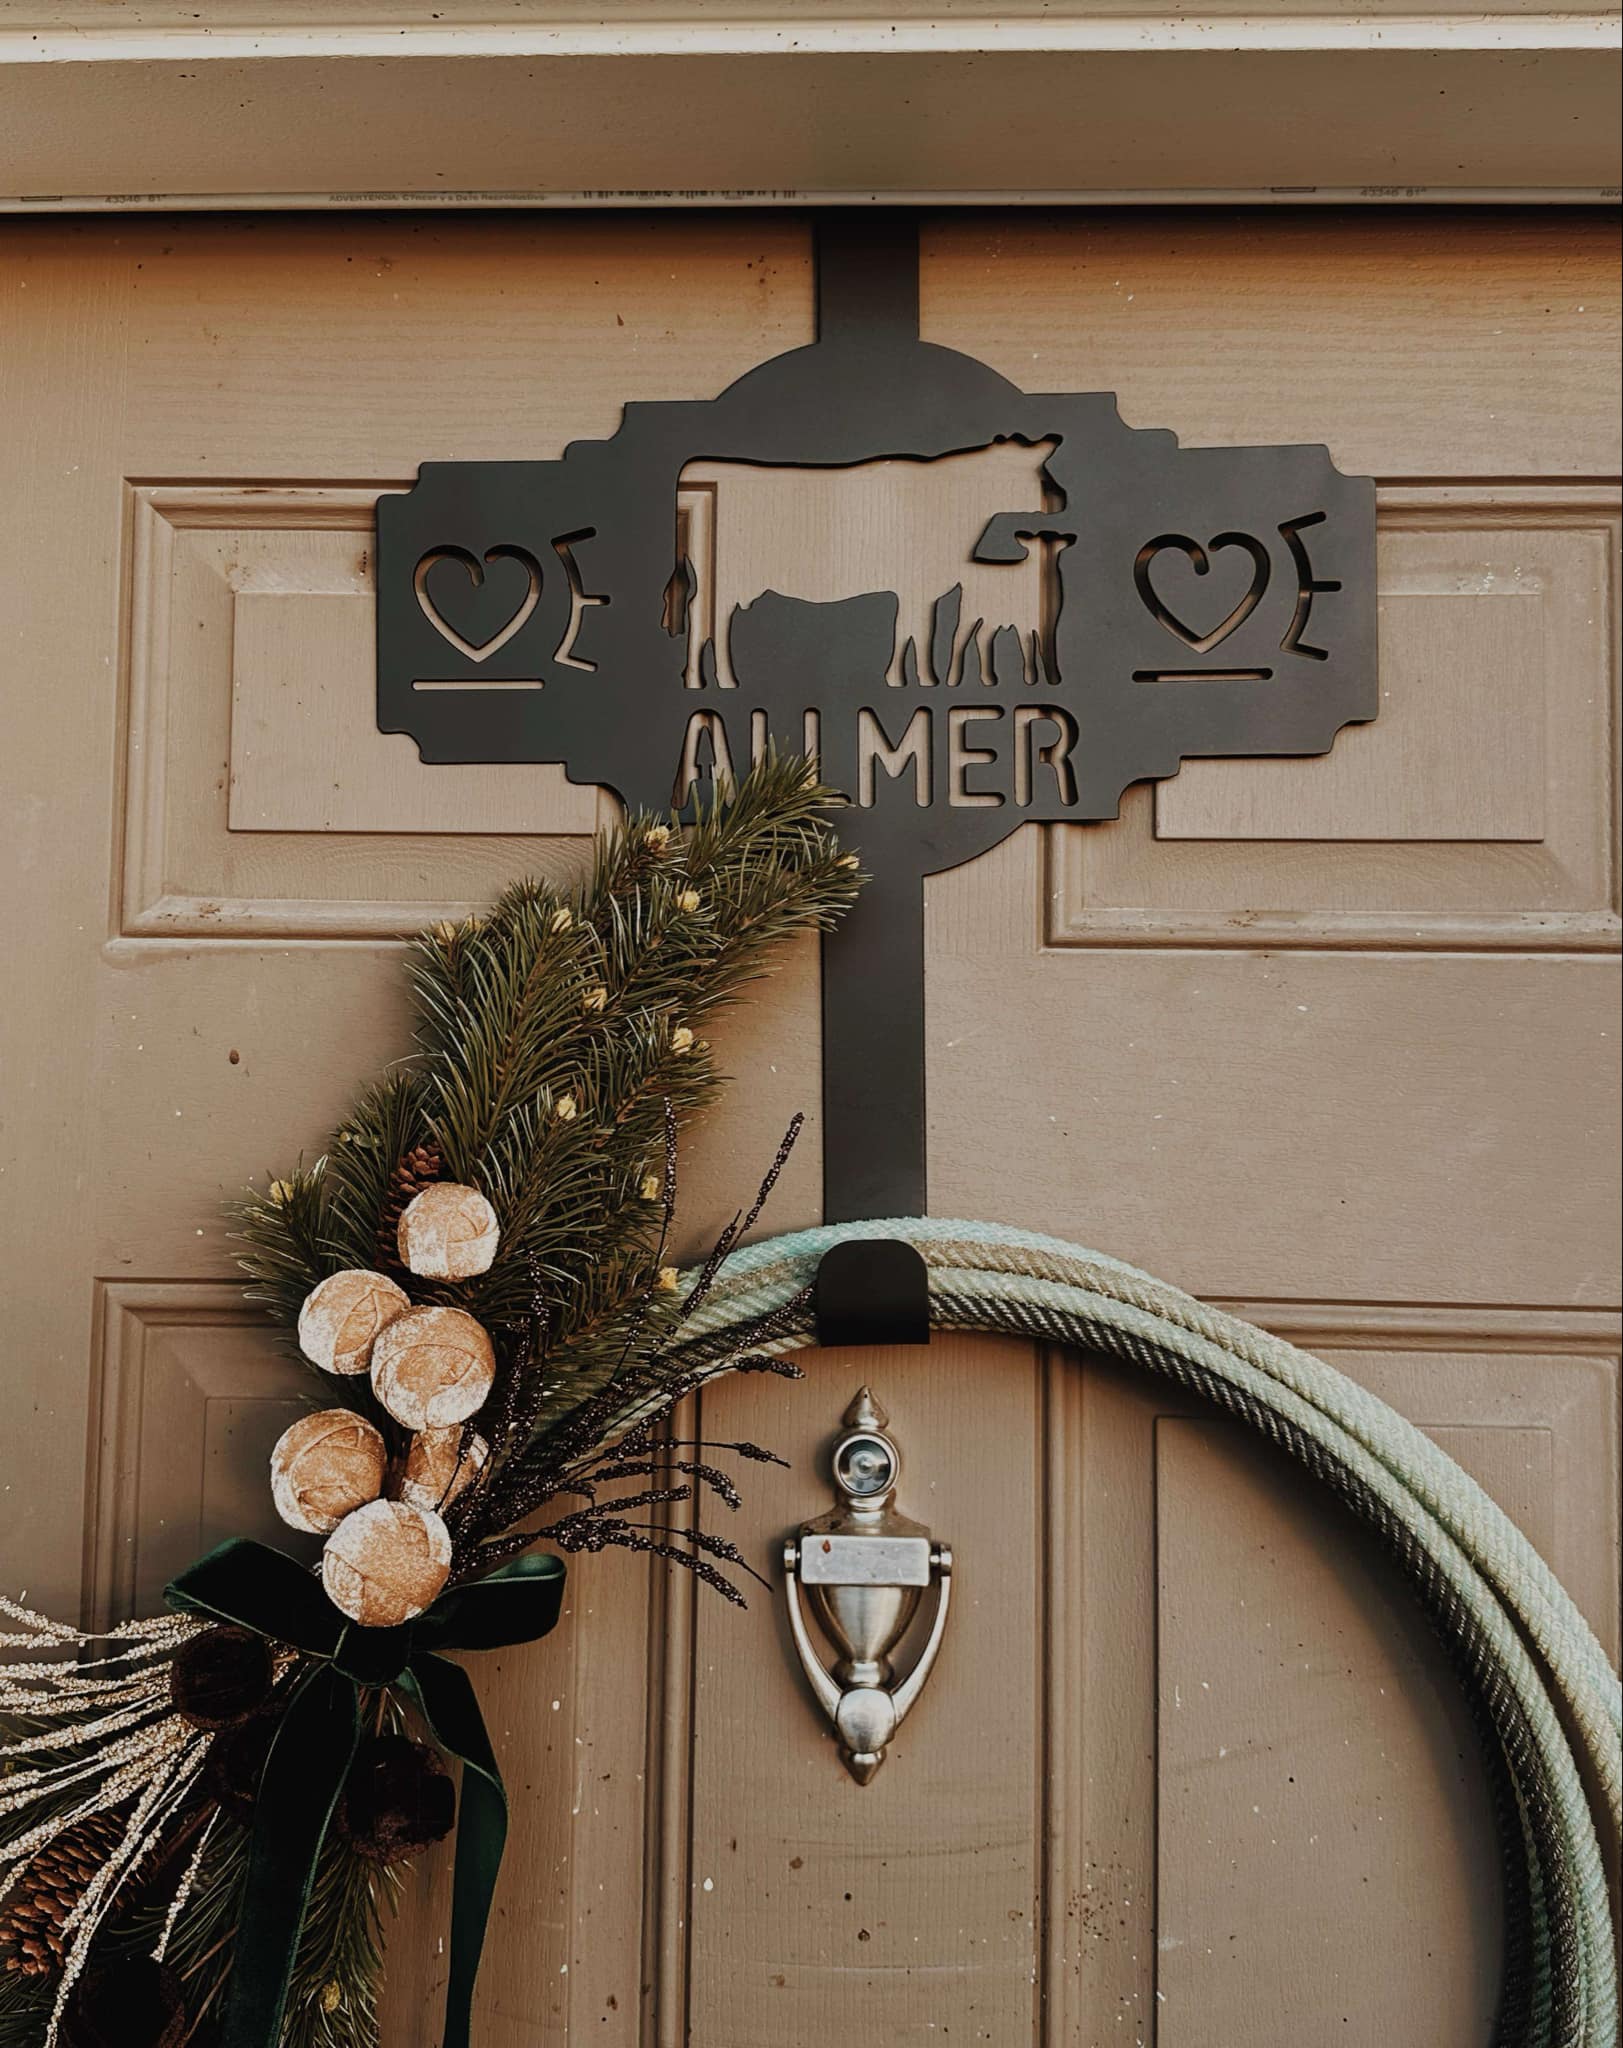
<point x="1546" y="1701"/>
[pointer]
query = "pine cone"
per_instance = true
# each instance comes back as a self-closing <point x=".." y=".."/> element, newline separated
<point x="420" y="1168"/>
<point x="31" y="1923"/>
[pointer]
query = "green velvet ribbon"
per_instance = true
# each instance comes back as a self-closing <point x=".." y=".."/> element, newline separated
<point x="249" y="1585"/>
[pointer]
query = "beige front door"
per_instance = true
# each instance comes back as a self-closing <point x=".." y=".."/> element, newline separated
<point x="1331" y="1041"/>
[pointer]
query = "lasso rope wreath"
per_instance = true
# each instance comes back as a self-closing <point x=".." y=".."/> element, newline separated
<point x="1528" y="1662"/>
<point x="203" y="1817"/>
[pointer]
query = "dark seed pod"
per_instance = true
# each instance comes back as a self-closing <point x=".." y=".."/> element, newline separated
<point x="398" y="1799"/>
<point x="131" y="2002"/>
<point x="221" y="1677"/>
<point x="236" y="1763"/>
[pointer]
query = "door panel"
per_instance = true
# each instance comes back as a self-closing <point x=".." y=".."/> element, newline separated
<point x="911" y="1902"/>
<point x="1332" y="1041"/>
<point x="1225" y="1736"/>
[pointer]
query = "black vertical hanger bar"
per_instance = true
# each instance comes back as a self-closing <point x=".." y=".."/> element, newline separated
<point x="876" y="1291"/>
<point x="873" y="1056"/>
<point x="867" y="275"/>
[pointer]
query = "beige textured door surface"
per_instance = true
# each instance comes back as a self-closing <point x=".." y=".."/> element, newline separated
<point x="1333" y="1041"/>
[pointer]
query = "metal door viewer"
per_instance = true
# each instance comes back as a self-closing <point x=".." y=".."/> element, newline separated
<point x="864" y="1568"/>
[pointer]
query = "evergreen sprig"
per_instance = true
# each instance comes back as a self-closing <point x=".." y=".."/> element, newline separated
<point x="202" y="1943"/>
<point x="552" y="1034"/>
<point x="25" y="2010"/>
<point x="337" y="1981"/>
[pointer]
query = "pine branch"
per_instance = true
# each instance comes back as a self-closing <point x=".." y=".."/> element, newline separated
<point x="556" y="1036"/>
<point x="283" y="1231"/>
<point x="338" y="1978"/>
<point x="25" y="2010"/>
<point x="366" y="1148"/>
<point x="201" y="1944"/>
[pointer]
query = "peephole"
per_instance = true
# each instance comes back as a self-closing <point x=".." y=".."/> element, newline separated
<point x="865" y="1466"/>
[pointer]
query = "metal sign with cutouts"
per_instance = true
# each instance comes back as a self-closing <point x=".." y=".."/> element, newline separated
<point x="1162" y="603"/>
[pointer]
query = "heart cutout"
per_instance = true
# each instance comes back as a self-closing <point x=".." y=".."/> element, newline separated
<point x="478" y="606"/>
<point x="1200" y="559"/>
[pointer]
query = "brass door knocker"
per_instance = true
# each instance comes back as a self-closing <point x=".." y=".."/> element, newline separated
<point x="864" y="1567"/>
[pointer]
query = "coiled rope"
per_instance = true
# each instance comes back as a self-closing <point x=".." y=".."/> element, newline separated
<point x="1545" y="1699"/>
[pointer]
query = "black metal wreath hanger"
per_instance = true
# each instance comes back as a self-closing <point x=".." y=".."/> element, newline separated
<point x="1197" y="602"/>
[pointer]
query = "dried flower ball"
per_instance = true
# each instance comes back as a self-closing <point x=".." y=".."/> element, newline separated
<point x="236" y="1762"/>
<point x="448" y="1232"/>
<point x="221" y="1676"/>
<point x="129" y="2001"/>
<point x="398" y="1799"/>
<point x="432" y="1367"/>
<point x="386" y="1562"/>
<point x="341" y="1318"/>
<point x="440" y="1466"/>
<point x="324" y="1466"/>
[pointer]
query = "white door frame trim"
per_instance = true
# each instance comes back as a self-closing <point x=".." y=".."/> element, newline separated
<point x="266" y="109"/>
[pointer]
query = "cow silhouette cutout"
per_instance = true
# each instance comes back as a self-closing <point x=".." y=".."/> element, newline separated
<point x="912" y="528"/>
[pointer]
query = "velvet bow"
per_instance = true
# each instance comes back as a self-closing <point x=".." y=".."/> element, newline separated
<point x="249" y="1585"/>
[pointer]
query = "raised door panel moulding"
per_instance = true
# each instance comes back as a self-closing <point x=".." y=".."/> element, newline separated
<point x="1320" y="1818"/>
<point x="1289" y="1695"/>
<point x="189" y="1395"/>
<point x="1477" y="810"/>
<point x="306" y="753"/>
<point x="1485" y="1385"/>
<point x="261" y="801"/>
<point x="756" y="1827"/>
<point x="260" y="798"/>
<point x="1457" y="755"/>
